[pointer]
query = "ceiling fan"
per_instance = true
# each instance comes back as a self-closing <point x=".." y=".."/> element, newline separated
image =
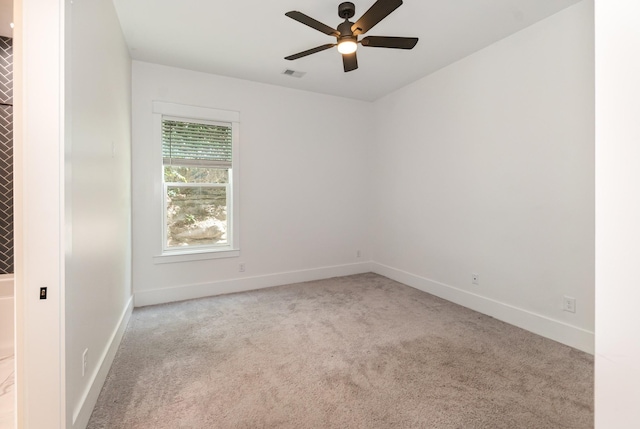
<point x="347" y="33"/>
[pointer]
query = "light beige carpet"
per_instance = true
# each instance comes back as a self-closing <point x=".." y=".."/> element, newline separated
<point x="353" y="352"/>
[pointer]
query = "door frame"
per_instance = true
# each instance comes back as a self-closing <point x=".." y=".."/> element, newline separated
<point x="39" y="212"/>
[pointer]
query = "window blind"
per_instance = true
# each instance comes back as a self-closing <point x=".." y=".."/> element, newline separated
<point x="189" y="143"/>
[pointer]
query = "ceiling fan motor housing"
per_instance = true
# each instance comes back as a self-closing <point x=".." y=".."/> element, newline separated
<point x="345" y="30"/>
<point x="346" y="10"/>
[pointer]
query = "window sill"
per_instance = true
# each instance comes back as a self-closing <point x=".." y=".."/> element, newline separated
<point x="195" y="255"/>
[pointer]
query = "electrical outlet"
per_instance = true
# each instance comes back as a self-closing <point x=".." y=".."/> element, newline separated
<point x="84" y="361"/>
<point x="242" y="268"/>
<point x="569" y="304"/>
<point x="475" y="279"/>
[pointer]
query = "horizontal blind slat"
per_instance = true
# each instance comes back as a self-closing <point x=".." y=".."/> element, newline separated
<point x="196" y="144"/>
<point x="181" y="162"/>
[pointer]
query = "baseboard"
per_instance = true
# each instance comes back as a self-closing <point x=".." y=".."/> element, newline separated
<point x="556" y="330"/>
<point x="82" y="413"/>
<point x="181" y="293"/>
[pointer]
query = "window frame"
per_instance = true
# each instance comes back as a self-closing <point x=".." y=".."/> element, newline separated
<point x="204" y="115"/>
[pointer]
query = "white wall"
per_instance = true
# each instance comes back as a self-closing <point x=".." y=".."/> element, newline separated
<point x="487" y="166"/>
<point x="98" y="198"/>
<point x="303" y="169"/>
<point x="617" y="214"/>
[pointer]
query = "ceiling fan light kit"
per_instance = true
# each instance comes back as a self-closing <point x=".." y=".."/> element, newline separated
<point x="347" y="32"/>
<point x="347" y="46"/>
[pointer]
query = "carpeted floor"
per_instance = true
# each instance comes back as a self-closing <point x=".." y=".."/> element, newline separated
<point x="352" y="352"/>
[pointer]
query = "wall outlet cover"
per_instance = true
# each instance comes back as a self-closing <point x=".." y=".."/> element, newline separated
<point x="569" y="304"/>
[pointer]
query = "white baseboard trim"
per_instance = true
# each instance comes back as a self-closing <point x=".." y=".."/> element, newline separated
<point x="181" y="293"/>
<point x="82" y="412"/>
<point x="556" y="330"/>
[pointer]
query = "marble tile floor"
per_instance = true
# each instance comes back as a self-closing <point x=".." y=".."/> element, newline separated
<point x="6" y="391"/>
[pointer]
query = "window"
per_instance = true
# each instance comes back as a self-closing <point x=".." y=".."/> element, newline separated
<point x="198" y="180"/>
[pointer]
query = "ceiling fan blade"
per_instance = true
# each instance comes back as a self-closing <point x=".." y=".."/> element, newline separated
<point x="390" y="42"/>
<point x="310" y="51"/>
<point x="350" y="62"/>
<point x="307" y="20"/>
<point x="374" y="15"/>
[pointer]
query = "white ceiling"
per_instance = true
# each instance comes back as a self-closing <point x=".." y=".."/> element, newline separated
<point x="248" y="39"/>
